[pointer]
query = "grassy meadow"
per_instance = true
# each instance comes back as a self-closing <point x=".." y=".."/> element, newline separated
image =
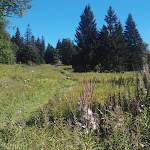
<point x="39" y="109"/>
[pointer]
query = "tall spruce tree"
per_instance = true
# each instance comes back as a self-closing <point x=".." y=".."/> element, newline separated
<point x="120" y="61"/>
<point x="136" y="47"/>
<point x="42" y="50"/>
<point x="58" y="47"/>
<point x="111" y="44"/>
<point x="111" y="20"/>
<point x="103" y="49"/>
<point x="28" y="35"/>
<point x="17" y="39"/>
<point x="86" y="38"/>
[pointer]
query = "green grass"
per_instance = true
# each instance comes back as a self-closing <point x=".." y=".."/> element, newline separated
<point x="48" y="103"/>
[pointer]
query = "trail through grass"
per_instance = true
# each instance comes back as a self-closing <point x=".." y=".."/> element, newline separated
<point x="26" y="88"/>
<point x="39" y="109"/>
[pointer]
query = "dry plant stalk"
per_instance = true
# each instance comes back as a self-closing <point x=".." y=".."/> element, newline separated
<point x="87" y="119"/>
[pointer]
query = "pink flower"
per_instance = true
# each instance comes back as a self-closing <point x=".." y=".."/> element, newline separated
<point x="18" y="111"/>
<point x="23" y="124"/>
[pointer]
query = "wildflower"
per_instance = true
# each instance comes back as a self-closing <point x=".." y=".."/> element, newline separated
<point x="140" y="110"/>
<point x="12" y="122"/>
<point x="18" y="111"/>
<point x="1" y="113"/>
<point x="23" y="124"/>
<point x="33" y="71"/>
<point x="142" y="145"/>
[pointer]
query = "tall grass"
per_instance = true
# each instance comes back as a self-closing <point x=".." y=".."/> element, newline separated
<point x="40" y="109"/>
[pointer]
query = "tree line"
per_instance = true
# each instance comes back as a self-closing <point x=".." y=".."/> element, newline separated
<point x="28" y="50"/>
<point x="111" y="48"/>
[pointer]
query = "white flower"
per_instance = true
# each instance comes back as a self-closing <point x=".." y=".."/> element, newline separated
<point x="89" y="112"/>
<point x="142" y="145"/>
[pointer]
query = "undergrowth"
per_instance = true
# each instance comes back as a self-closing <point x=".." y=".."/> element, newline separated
<point x="48" y="107"/>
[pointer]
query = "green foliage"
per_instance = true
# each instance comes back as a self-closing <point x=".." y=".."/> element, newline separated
<point x="29" y="53"/>
<point x="39" y="109"/>
<point x="14" y="7"/>
<point x="86" y="38"/>
<point x="7" y="48"/>
<point x="111" y="20"/>
<point x="66" y="51"/>
<point x="135" y="43"/>
<point x="29" y="49"/>
<point x="51" y="55"/>
<point x="112" y="51"/>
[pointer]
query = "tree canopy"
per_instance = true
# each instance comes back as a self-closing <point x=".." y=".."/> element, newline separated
<point x="10" y="8"/>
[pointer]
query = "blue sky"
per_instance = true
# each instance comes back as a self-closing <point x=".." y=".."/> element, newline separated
<point x="57" y="19"/>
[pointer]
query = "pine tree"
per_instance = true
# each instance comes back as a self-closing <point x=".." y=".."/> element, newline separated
<point x="103" y="50"/>
<point x="17" y="39"/>
<point x="86" y="38"/>
<point x="111" y="19"/>
<point x="51" y="55"/>
<point x="28" y="35"/>
<point x="135" y="44"/>
<point x="29" y="52"/>
<point x="111" y="44"/>
<point x="58" y="47"/>
<point x="120" y="59"/>
<point x="42" y="50"/>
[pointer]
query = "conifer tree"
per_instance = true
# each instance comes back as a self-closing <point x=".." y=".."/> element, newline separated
<point x="135" y="43"/>
<point x="42" y="50"/>
<point x="38" y="45"/>
<point x="86" y="38"/>
<point x="17" y="39"/>
<point x="111" y="19"/>
<point x="111" y="44"/>
<point x="58" y="47"/>
<point x="28" y="35"/>
<point x="103" y="50"/>
<point x="51" y="55"/>
<point x="120" y="60"/>
<point x="29" y="51"/>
